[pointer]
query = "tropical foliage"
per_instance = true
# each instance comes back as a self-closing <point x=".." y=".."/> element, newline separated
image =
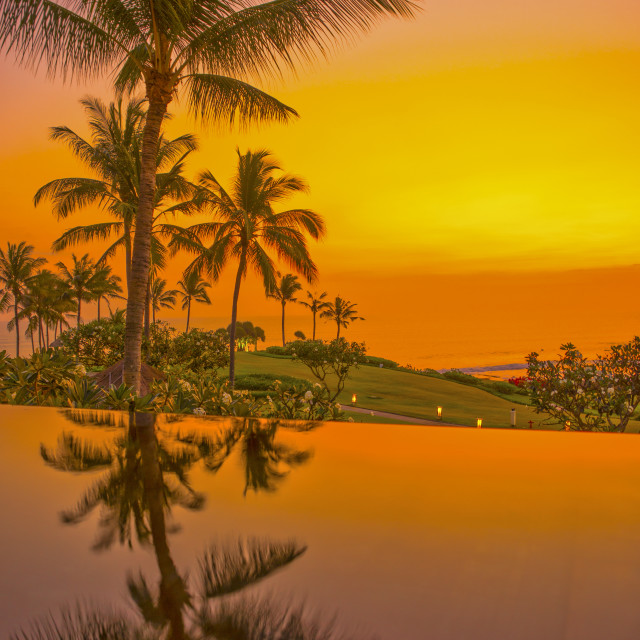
<point x="587" y="395"/>
<point x="316" y="303"/>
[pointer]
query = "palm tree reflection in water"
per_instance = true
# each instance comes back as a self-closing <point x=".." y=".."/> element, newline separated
<point x="145" y="476"/>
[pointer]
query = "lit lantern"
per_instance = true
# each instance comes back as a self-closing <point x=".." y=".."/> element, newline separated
<point x="567" y="425"/>
<point x="440" y="413"/>
<point x="354" y="398"/>
<point x="479" y="423"/>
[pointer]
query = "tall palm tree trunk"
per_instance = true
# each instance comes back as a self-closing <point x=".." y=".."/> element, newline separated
<point x="234" y="316"/>
<point x="188" y="314"/>
<point x="127" y="250"/>
<point x="283" y="305"/>
<point x="314" y="326"/>
<point x="33" y="344"/>
<point x="147" y="310"/>
<point x="15" y="317"/>
<point x="46" y="328"/>
<point x="79" y="310"/>
<point x="40" y="334"/>
<point x="159" y="96"/>
<point x="338" y="336"/>
<point x="99" y="298"/>
<point x="153" y="313"/>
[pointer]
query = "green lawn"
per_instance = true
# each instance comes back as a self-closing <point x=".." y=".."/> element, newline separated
<point x="409" y="394"/>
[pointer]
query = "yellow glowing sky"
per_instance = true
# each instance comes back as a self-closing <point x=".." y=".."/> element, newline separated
<point x="486" y="137"/>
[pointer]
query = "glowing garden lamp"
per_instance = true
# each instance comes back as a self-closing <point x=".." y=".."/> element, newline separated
<point x="567" y="425"/>
<point x="354" y="398"/>
<point x="439" y="413"/>
<point x="479" y="423"/>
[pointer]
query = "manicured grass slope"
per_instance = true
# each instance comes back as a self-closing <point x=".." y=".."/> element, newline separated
<point x="408" y="394"/>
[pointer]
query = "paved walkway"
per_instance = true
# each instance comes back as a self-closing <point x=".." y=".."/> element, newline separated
<point x="395" y="416"/>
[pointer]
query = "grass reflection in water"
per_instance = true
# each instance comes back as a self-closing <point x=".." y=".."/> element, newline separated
<point x="145" y="474"/>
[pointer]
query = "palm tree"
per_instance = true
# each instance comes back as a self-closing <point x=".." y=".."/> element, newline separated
<point x="161" y="297"/>
<point x="207" y="48"/>
<point x="17" y="268"/>
<point x="105" y="284"/>
<point x="342" y="312"/>
<point x="246" y="228"/>
<point x="113" y="155"/>
<point x="79" y="279"/>
<point x="43" y="306"/>
<point x="193" y="287"/>
<point x="285" y="292"/>
<point x="316" y="304"/>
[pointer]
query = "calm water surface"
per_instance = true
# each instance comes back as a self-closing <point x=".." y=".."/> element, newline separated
<point x="258" y="528"/>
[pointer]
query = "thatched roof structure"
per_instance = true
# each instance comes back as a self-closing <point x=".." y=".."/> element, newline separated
<point x="113" y="376"/>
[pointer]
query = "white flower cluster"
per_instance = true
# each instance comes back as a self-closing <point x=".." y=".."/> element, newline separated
<point x="80" y="370"/>
<point x="226" y="398"/>
<point x="199" y="411"/>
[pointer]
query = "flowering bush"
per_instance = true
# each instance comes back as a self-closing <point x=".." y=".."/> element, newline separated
<point x="598" y="395"/>
<point x="301" y="403"/>
<point x="329" y="360"/>
<point x="200" y="351"/>
<point x="519" y="381"/>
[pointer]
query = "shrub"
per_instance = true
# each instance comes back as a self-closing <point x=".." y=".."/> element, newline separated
<point x="374" y="361"/>
<point x="278" y="351"/>
<point x="464" y="378"/>
<point x="265" y="381"/>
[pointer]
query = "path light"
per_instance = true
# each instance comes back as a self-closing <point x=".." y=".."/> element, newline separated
<point x="354" y="398"/>
<point x="513" y="417"/>
<point x="567" y="425"/>
<point x="439" y="413"/>
<point x="479" y="423"/>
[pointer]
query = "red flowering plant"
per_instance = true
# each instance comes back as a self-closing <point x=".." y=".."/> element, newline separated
<point x="597" y="395"/>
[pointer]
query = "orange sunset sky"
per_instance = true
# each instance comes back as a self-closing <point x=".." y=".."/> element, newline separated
<point x="478" y="169"/>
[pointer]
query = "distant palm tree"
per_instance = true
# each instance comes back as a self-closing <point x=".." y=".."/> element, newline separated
<point x="200" y="47"/>
<point x="161" y="297"/>
<point x="193" y="288"/>
<point x="316" y="304"/>
<point x="17" y="268"/>
<point x="43" y="305"/>
<point x="245" y="228"/>
<point x="342" y="312"/>
<point x="80" y="279"/>
<point x="285" y="292"/>
<point x="105" y="285"/>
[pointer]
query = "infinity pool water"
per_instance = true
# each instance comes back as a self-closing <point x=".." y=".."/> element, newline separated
<point x="193" y="526"/>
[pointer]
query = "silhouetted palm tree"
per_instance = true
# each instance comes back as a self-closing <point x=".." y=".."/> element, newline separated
<point x="246" y="228"/>
<point x="342" y="312"/>
<point x="316" y="303"/>
<point x="284" y="292"/>
<point x="105" y="285"/>
<point x="17" y="269"/>
<point x="193" y="288"/>
<point x="79" y="278"/>
<point x="161" y="297"/>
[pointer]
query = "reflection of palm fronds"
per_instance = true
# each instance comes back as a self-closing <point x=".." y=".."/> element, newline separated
<point x="75" y="454"/>
<point x="226" y="570"/>
<point x="252" y="619"/>
<point x="81" y="623"/>
<point x="213" y="450"/>
<point x="94" y="418"/>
